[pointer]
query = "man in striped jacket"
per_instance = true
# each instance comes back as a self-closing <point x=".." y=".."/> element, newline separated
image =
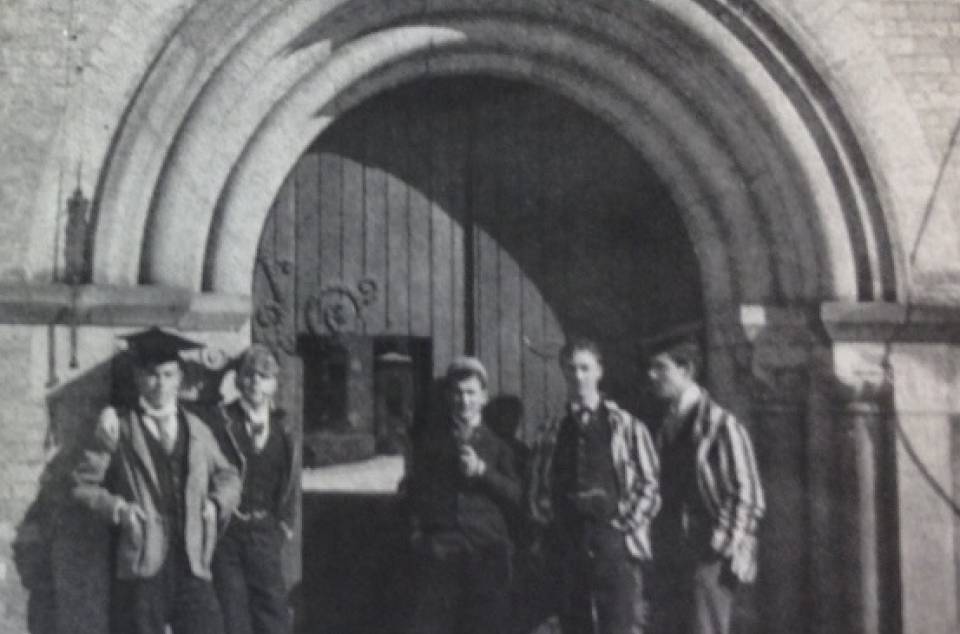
<point x="594" y="490"/>
<point x="704" y="539"/>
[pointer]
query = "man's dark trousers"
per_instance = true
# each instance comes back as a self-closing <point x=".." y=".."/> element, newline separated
<point x="249" y="576"/>
<point x="174" y="595"/>
<point x="461" y="588"/>
<point x="693" y="594"/>
<point x="600" y="584"/>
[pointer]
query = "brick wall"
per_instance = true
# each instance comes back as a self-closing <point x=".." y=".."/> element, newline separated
<point x="39" y="55"/>
<point x="921" y="39"/>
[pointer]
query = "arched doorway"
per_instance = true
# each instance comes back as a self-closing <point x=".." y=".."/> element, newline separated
<point x="725" y="104"/>
<point x="449" y="216"/>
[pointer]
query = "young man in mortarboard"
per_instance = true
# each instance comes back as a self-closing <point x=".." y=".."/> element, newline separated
<point x="461" y="484"/>
<point x="247" y="567"/>
<point x="705" y="536"/>
<point x="155" y="472"/>
<point x="594" y="490"/>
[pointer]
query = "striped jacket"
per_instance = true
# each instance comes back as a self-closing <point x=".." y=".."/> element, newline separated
<point x="727" y="478"/>
<point x="637" y="468"/>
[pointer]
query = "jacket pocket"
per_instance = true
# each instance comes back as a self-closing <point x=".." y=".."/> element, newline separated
<point x="154" y="544"/>
<point x="130" y="549"/>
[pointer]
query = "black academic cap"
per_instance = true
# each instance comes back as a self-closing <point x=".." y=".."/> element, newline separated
<point x="671" y="338"/>
<point x="153" y="346"/>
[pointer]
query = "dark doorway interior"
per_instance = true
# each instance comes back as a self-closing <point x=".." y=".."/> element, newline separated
<point x="460" y="215"/>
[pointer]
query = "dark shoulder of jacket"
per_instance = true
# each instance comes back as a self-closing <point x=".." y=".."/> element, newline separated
<point x="280" y="417"/>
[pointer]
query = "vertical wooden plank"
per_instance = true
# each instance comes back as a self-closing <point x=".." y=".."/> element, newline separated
<point x="375" y="213"/>
<point x="308" y="233"/>
<point x="509" y="221"/>
<point x="284" y="220"/>
<point x="484" y="209"/>
<point x="396" y="151"/>
<point x="555" y="235"/>
<point x="331" y="216"/>
<point x="352" y="205"/>
<point x="458" y="298"/>
<point x="442" y="163"/>
<point x="510" y="319"/>
<point x="536" y="354"/>
<point x="556" y="391"/>
<point x="458" y="138"/>
<point x="488" y="297"/>
<point x="418" y="199"/>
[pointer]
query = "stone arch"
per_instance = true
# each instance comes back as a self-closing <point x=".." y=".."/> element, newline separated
<point x="204" y="58"/>
<point x="157" y="180"/>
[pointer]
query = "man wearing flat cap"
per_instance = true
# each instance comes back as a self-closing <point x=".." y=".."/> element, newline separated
<point x="155" y="472"/>
<point x="594" y="491"/>
<point x="705" y="536"/>
<point x="253" y="434"/>
<point x="460" y="486"/>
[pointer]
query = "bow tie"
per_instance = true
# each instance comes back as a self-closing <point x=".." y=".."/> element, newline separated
<point x="583" y="415"/>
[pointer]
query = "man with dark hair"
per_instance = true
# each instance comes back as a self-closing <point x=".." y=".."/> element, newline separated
<point x="154" y="471"/>
<point x="594" y="488"/>
<point x="460" y="486"/>
<point x="705" y="537"/>
<point x="247" y="567"/>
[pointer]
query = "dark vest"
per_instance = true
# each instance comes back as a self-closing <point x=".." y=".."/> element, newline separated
<point x="583" y="461"/>
<point x="264" y="475"/>
<point x="171" y="477"/>
<point x="683" y="515"/>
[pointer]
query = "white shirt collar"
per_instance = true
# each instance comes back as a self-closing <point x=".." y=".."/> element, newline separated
<point x="687" y="401"/>
<point x="592" y="404"/>
<point x="153" y="418"/>
<point x="256" y="416"/>
<point x="158" y="414"/>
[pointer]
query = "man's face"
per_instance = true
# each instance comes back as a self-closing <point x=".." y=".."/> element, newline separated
<point x="669" y="380"/>
<point x="582" y="371"/>
<point x="256" y="388"/>
<point x="467" y="398"/>
<point x="159" y="384"/>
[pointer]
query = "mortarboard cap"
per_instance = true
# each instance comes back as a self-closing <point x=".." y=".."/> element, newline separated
<point x="686" y="333"/>
<point x="153" y="346"/>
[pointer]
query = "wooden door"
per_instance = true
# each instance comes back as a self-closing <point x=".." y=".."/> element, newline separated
<point x="487" y="217"/>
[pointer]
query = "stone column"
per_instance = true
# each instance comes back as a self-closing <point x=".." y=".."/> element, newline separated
<point x="889" y="380"/>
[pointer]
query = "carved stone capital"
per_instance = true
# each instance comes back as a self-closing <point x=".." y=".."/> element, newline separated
<point x="856" y="376"/>
<point x="773" y="349"/>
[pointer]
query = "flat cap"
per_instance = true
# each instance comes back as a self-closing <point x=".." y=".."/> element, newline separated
<point x="465" y="366"/>
<point x="154" y="346"/>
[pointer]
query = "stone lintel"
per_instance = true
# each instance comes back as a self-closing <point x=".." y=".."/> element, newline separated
<point x="104" y="305"/>
<point x="883" y="322"/>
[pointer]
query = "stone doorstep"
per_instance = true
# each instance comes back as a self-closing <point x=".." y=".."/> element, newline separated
<point x="103" y="305"/>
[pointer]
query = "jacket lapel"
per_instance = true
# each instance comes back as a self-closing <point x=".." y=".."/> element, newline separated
<point x="141" y="452"/>
<point x="233" y="417"/>
<point x="196" y="457"/>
